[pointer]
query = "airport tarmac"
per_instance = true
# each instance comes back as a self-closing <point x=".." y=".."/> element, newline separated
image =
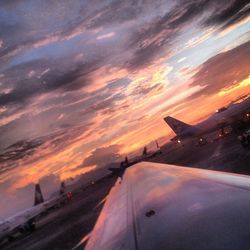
<point x="225" y="154"/>
<point x="65" y="227"/>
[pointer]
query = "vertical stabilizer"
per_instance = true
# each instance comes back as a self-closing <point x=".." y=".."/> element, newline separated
<point x="62" y="188"/>
<point x="38" y="195"/>
<point x="177" y="126"/>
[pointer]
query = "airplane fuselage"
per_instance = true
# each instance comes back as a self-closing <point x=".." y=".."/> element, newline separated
<point x="23" y="220"/>
<point x="20" y="221"/>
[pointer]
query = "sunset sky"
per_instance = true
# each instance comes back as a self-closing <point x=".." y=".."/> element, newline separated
<point x="84" y="83"/>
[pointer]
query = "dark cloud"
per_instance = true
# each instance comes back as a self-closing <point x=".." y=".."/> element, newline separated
<point x="229" y="13"/>
<point x="59" y="22"/>
<point x="17" y="151"/>
<point x="223" y="70"/>
<point x="28" y="151"/>
<point x="63" y="79"/>
<point x="144" y="56"/>
<point x="156" y="37"/>
<point x="101" y="13"/>
<point x="47" y="22"/>
<point x="103" y="156"/>
<point x="25" y="145"/>
<point x="117" y="12"/>
<point x="67" y="81"/>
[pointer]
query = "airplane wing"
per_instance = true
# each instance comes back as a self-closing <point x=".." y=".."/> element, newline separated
<point x="159" y="206"/>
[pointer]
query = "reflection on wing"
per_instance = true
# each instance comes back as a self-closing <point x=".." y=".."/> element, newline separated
<point x="160" y="206"/>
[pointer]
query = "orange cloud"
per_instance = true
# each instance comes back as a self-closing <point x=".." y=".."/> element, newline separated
<point x="242" y="86"/>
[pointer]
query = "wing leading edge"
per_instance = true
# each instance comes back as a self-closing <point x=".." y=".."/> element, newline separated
<point x="159" y="206"/>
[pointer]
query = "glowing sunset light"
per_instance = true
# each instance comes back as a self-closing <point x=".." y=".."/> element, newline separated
<point x="80" y="90"/>
<point x="243" y="84"/>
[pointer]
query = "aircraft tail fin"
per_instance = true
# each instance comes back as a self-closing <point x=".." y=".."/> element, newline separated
<point x="177" y="126"/>
<point x="38" y="195"/>
<point x="62" y="188"/>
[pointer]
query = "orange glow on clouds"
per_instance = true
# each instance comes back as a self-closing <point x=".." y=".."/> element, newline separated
<point x="243" y="86"/>
<point x="134" y="120"/>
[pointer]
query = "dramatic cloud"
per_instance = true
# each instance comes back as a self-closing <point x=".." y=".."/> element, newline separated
<point x="18" y="151"/>
<point x="157" y="37"/>
<point x="229" y="13"/>
<point x="23" y="88"/>
<point x="235" y="67"/>
<point x="82" y="84"/>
